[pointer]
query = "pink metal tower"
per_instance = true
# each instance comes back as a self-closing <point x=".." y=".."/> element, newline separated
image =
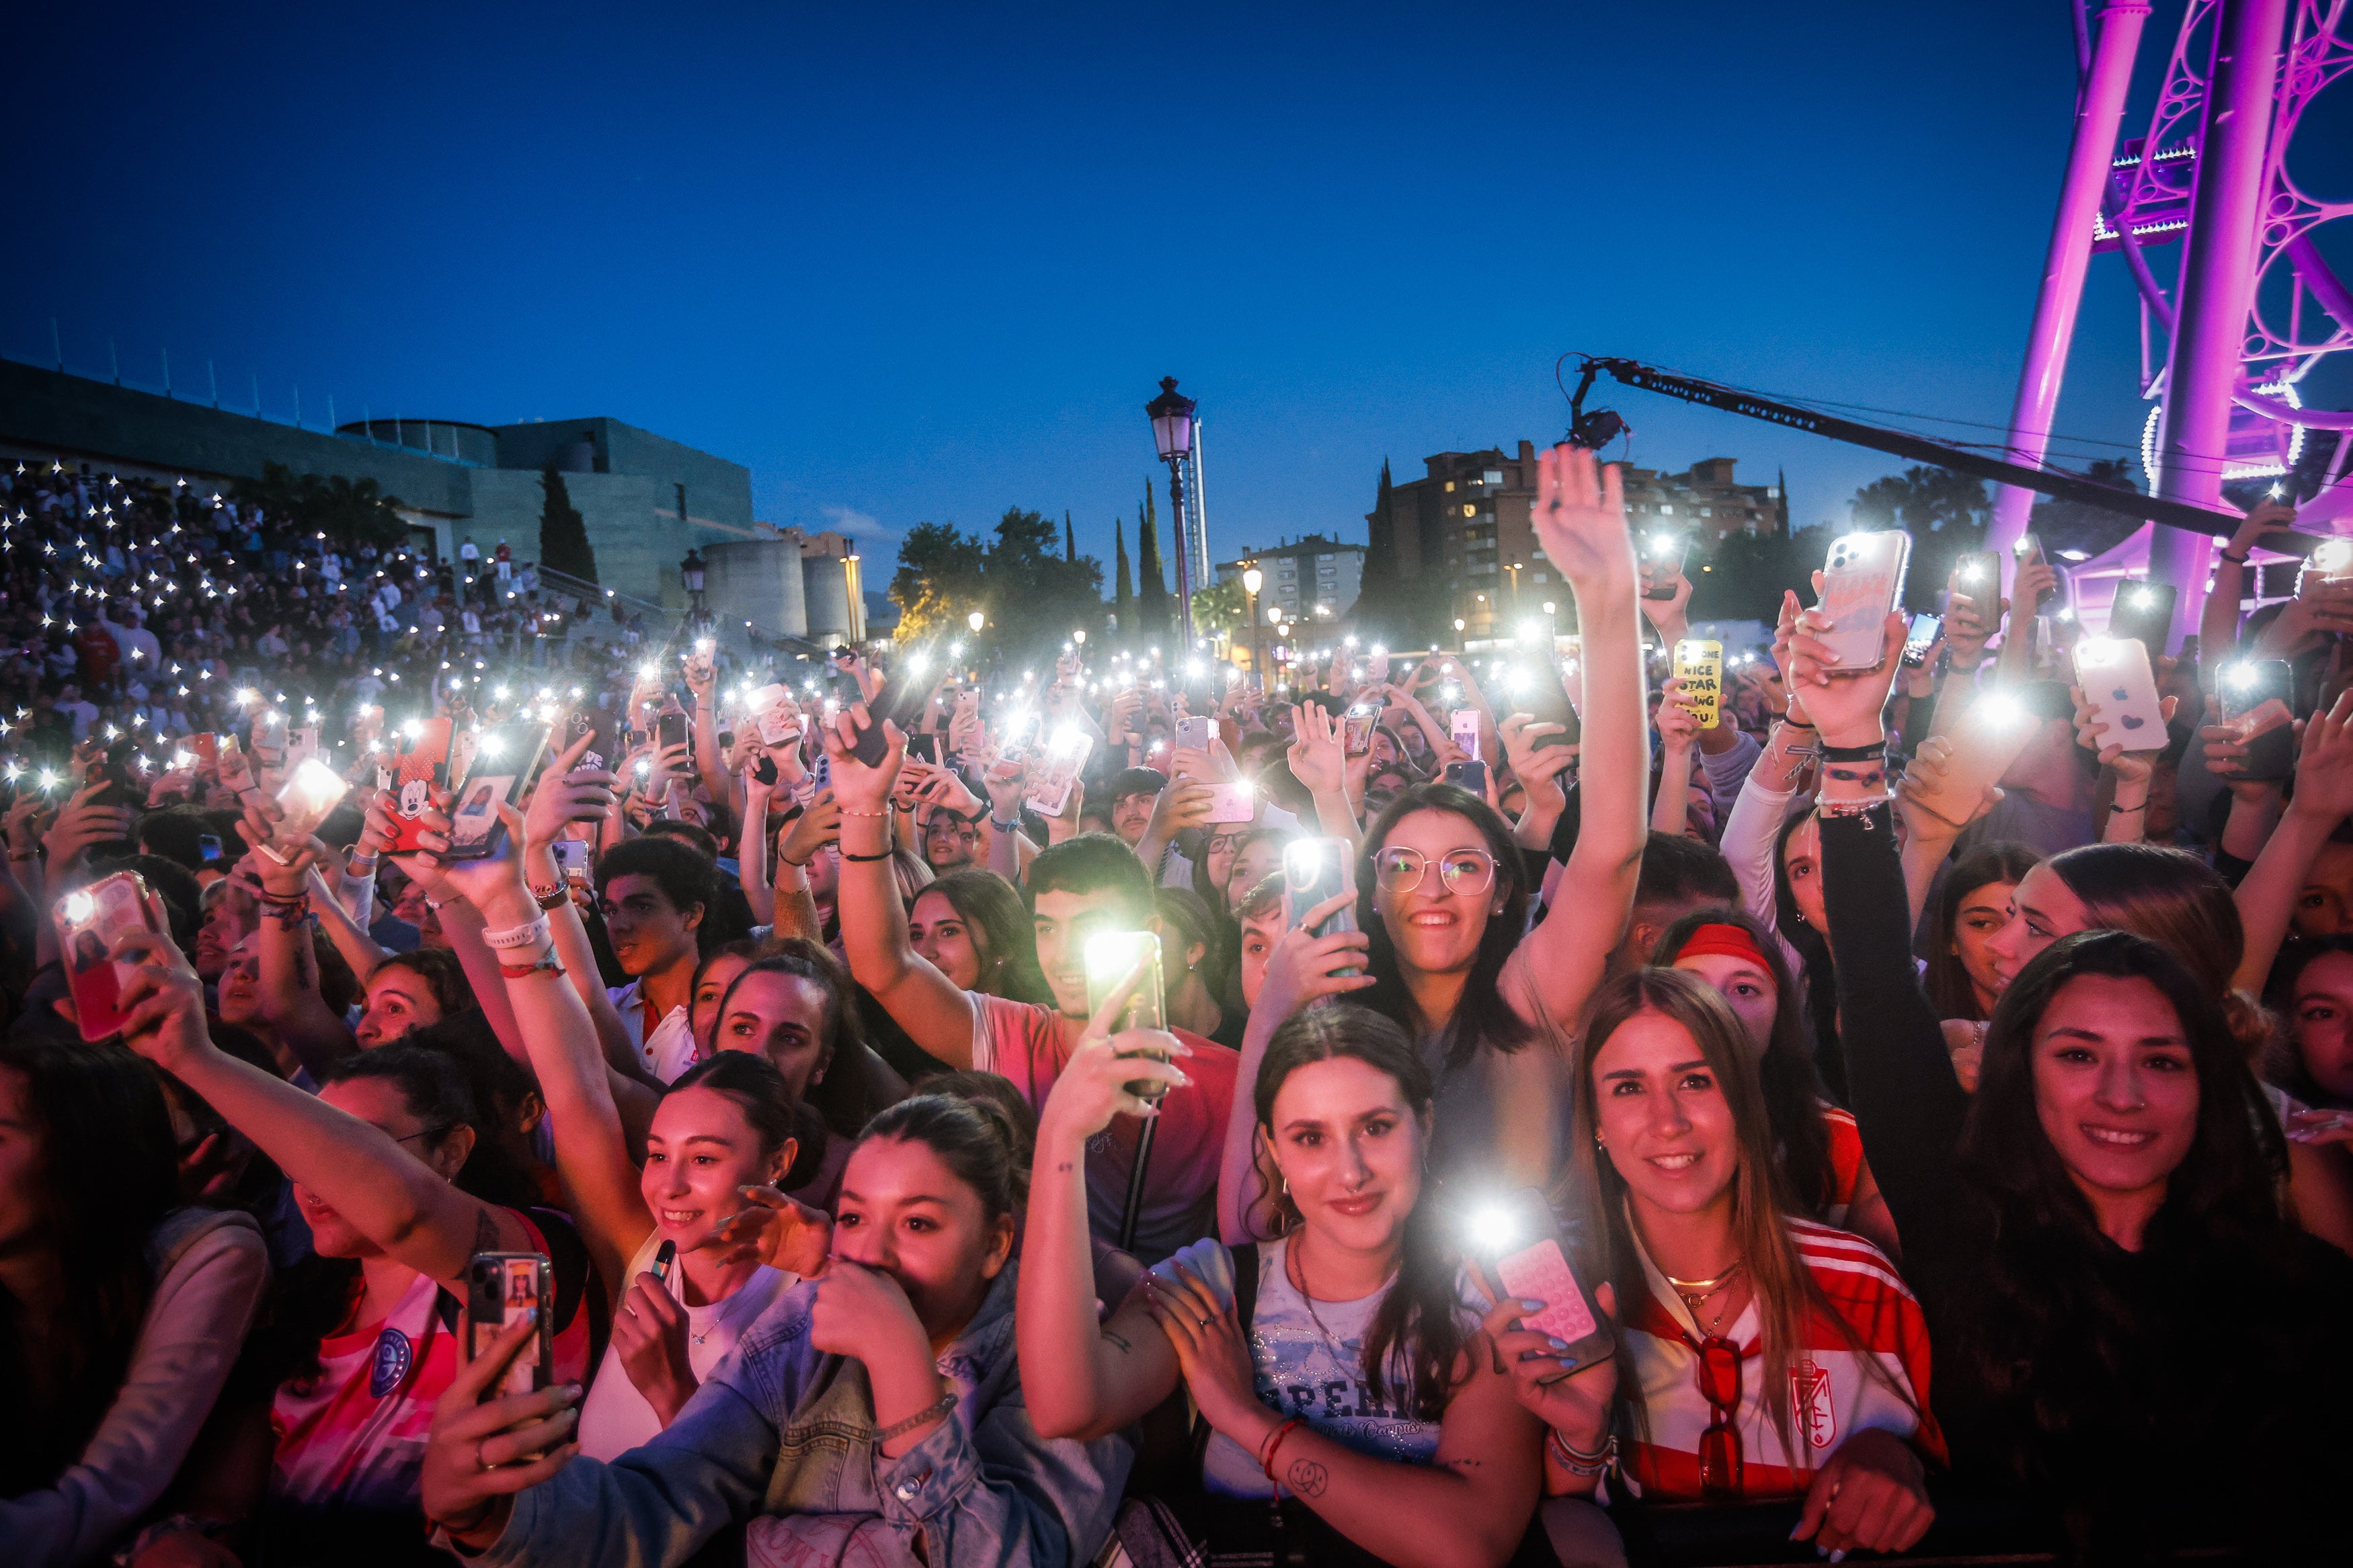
<point x="2254" y="306"/>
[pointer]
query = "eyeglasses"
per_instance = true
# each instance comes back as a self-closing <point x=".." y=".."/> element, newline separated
<point x="1469" y="872"/>
<point x="1225" y="843"/>
<point x="1719" y="1446"/>
<point x="429" y="1132"/>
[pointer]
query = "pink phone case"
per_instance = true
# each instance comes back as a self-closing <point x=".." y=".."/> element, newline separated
<point x="1540" y="1273"/>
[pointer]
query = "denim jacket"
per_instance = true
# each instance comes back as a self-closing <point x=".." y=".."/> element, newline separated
<point x="781" y="1437"/>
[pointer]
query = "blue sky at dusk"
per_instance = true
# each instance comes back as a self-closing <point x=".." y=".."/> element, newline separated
<point x="915" y="262"/>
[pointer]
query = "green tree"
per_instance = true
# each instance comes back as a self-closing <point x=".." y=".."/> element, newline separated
<point x="1222" y="606"/>
<point x="1124" y="594"/>
<point x="1944" y="513"/>
<point x="563" y="533"/>
<point x="1152" y="613"/>
<point x="352" y="512"/>
<point x="938" y="580"/>
<point x="1070" y="540"/>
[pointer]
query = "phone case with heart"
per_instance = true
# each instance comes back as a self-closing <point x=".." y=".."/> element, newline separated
<point x="2114" y="673"/>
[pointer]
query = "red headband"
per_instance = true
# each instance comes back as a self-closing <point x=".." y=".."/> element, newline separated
<point x="1730" y="941"/>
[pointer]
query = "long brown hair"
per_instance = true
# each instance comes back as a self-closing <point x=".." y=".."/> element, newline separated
<point x="1416" y="1321"/>
<point x="1762" y="1202"/>
<point x="1997" y="860"/>
<point x="2180" y="903"/>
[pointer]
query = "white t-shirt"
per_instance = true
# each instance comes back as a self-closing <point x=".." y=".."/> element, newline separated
<point x="669" y="1051"/>
<point x="1317" y="1373"/>
<point x="615" y="1418"/>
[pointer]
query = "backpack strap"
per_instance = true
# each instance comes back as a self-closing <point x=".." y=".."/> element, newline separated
<point x="1245" y="1258"/>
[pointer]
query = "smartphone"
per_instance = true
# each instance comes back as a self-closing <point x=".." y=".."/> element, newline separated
<point x="1110" y="956"/>
<point x="1862" y="583"/>
<point x="2029" y="550"/>
<point x="2331" y="561"/>
<point x="209" y="846"/>
<point x="778" y="716"/>
<point x="670" y="729"/>
<point x="420" y="770"/>
<point x="1921" y="639"/>
<point x="1699" y="664"/>
<point x="207" y="748"/>
<point x="1519" y="1242"/>
<point x="1978" y="574"/>
<point x="503" y="760"/>
<point x="1462" y="727"/>
<point x="1066" y="755"/>
<point x="269" y="731"/>
<point x="1471" y="776"/>
<point x="2256" y="695"/>
<point x="2143" y="611"/>
<point x="87" y="920"/>
<point x="500" y="1288"/>
<point x="1358" y="726"/>
<point x="923" y="748"/>
<point x="301" y="745"/>
<point x="1314" y="870"/>
<point x="872" y="744"/>
<point x="1192" y="733"/>
<point x="1544" y="694"/>
<point x="572" y="859"/>
<point x="313" y="790"/>
<point x="602" y="752"/>
<point x="1233" y="801"/>
<point x="2115" y="672"/>
<point x="1662" y="562"/>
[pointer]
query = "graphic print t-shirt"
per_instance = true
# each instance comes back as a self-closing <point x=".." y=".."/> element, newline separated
<point x="1312" y="1365"/>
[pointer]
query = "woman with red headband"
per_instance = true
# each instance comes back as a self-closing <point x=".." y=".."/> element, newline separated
<point x="1820" y="1145"/>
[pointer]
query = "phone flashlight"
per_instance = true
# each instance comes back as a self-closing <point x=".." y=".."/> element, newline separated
<point x="78" y="907"/>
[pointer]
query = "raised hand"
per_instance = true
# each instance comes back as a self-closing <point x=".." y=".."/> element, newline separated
<point x="1538" y="768"/>
<point x="1318" y="756"/>
<point x="856" y="785"/>
<point x="481" y="1453"/>
<point x="1580" y="518"/>
<point x="649" y="1336"/>
<point x="1093" y="1086"/>
<point x="2135" y="767"/>
<point x="1678" y="725"/>
<point x="1846" y="707"/>
<point x="85" y="823"/>
<point x="1574" y="1401"/>
<point x="2324" y="764"/>
<point x="568" y="794"/>
<point x="1302" y="967"/>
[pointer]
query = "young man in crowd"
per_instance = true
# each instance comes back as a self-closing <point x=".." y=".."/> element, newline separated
<point x="1076" y="889"/>
<point x="653" y="893"/>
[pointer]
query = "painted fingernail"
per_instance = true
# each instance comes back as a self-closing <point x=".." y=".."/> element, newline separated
<point x="1559" y="1344"/>
<point x="1568" y="1361"/>
<point x="1533" y="1305"/>
<point x="1840" y="1555"/>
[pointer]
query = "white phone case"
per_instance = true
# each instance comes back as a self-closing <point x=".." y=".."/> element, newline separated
<point x="1862" y="582"/>
<point x="2114" y="673"/>
<point x="1462" y="727"/>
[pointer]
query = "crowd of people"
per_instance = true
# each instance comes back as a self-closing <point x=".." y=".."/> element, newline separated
<point x="1129" y="1115"/>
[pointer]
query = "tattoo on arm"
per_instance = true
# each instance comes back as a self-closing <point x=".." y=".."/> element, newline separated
<point x="1065" y="1165"/>
<point x="1125" y="1348"/>
<point x="486" y="1231"/>
<point x="1307" y="1478"/>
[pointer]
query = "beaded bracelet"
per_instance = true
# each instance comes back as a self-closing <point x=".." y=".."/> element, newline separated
<point x="1581" y="1464"/>
<point x="1863" y="807"/>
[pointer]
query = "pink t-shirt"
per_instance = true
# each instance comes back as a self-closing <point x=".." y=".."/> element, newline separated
<point x="1029" y="1044"/>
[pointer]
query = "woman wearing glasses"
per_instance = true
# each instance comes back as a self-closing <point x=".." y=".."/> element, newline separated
<point x="1759" y="1355"/>
<point x="1443" y="892"/>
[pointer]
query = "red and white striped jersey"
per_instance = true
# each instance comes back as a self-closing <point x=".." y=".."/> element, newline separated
<point x="1830" y="1396"/>
<point x="1846" y="1162"/>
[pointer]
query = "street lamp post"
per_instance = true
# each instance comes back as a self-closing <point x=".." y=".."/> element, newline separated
<point x="1172" y="432"/>
<point x="1252" y="581"/>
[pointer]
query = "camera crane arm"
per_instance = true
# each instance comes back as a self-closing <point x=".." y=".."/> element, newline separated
<point x="1602" y="424"/>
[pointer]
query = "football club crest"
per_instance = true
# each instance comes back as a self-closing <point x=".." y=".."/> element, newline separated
<point x="389" y="1369"/>
<point x="1810" y="1398"/>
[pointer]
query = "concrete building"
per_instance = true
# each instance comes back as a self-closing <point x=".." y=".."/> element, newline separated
<point x="1313" y="578"/>
<point x="1463" y="533"/>
<point x="646" y="500"/>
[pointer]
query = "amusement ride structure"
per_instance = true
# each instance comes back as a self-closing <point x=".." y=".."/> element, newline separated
<point x="2254" y="305"/>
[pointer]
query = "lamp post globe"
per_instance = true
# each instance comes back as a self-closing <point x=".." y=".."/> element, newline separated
<point x="1252" y="581"/>
<point x="976" y="621"/>
<point x="1171" y="414"/>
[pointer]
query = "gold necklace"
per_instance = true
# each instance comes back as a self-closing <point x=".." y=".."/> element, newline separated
<point x="1706" y="1288"/>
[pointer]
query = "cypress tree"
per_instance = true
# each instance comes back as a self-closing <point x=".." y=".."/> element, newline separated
<point x="1070" y="540"/>
<point x="1123" y="583"/>
<point x="1781" y="501"/>
<point x="1151" y="588"/>
<point x="563" y="533"/>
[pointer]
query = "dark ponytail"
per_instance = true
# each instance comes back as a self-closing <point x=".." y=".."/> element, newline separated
<point x="974" y="1139"/>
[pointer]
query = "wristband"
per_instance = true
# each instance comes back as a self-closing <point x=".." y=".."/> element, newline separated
<point x="550" y="898"/>
<point x="924" y="1418"/>
<point x="2234" y="560"/>
<point x="1581" y="1464"/>
<point x="525" y="971"/>
<point x="528" y="934"/>
<point x="1869" y="754"/>
<point x="1274" y="1445"/>
<point x="881" y="816"/>
<point x="2120" y="810"/>
<point x="1862" y="807"/>
<point x="865" y="859"/>
<point x="1012" y="826"/>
